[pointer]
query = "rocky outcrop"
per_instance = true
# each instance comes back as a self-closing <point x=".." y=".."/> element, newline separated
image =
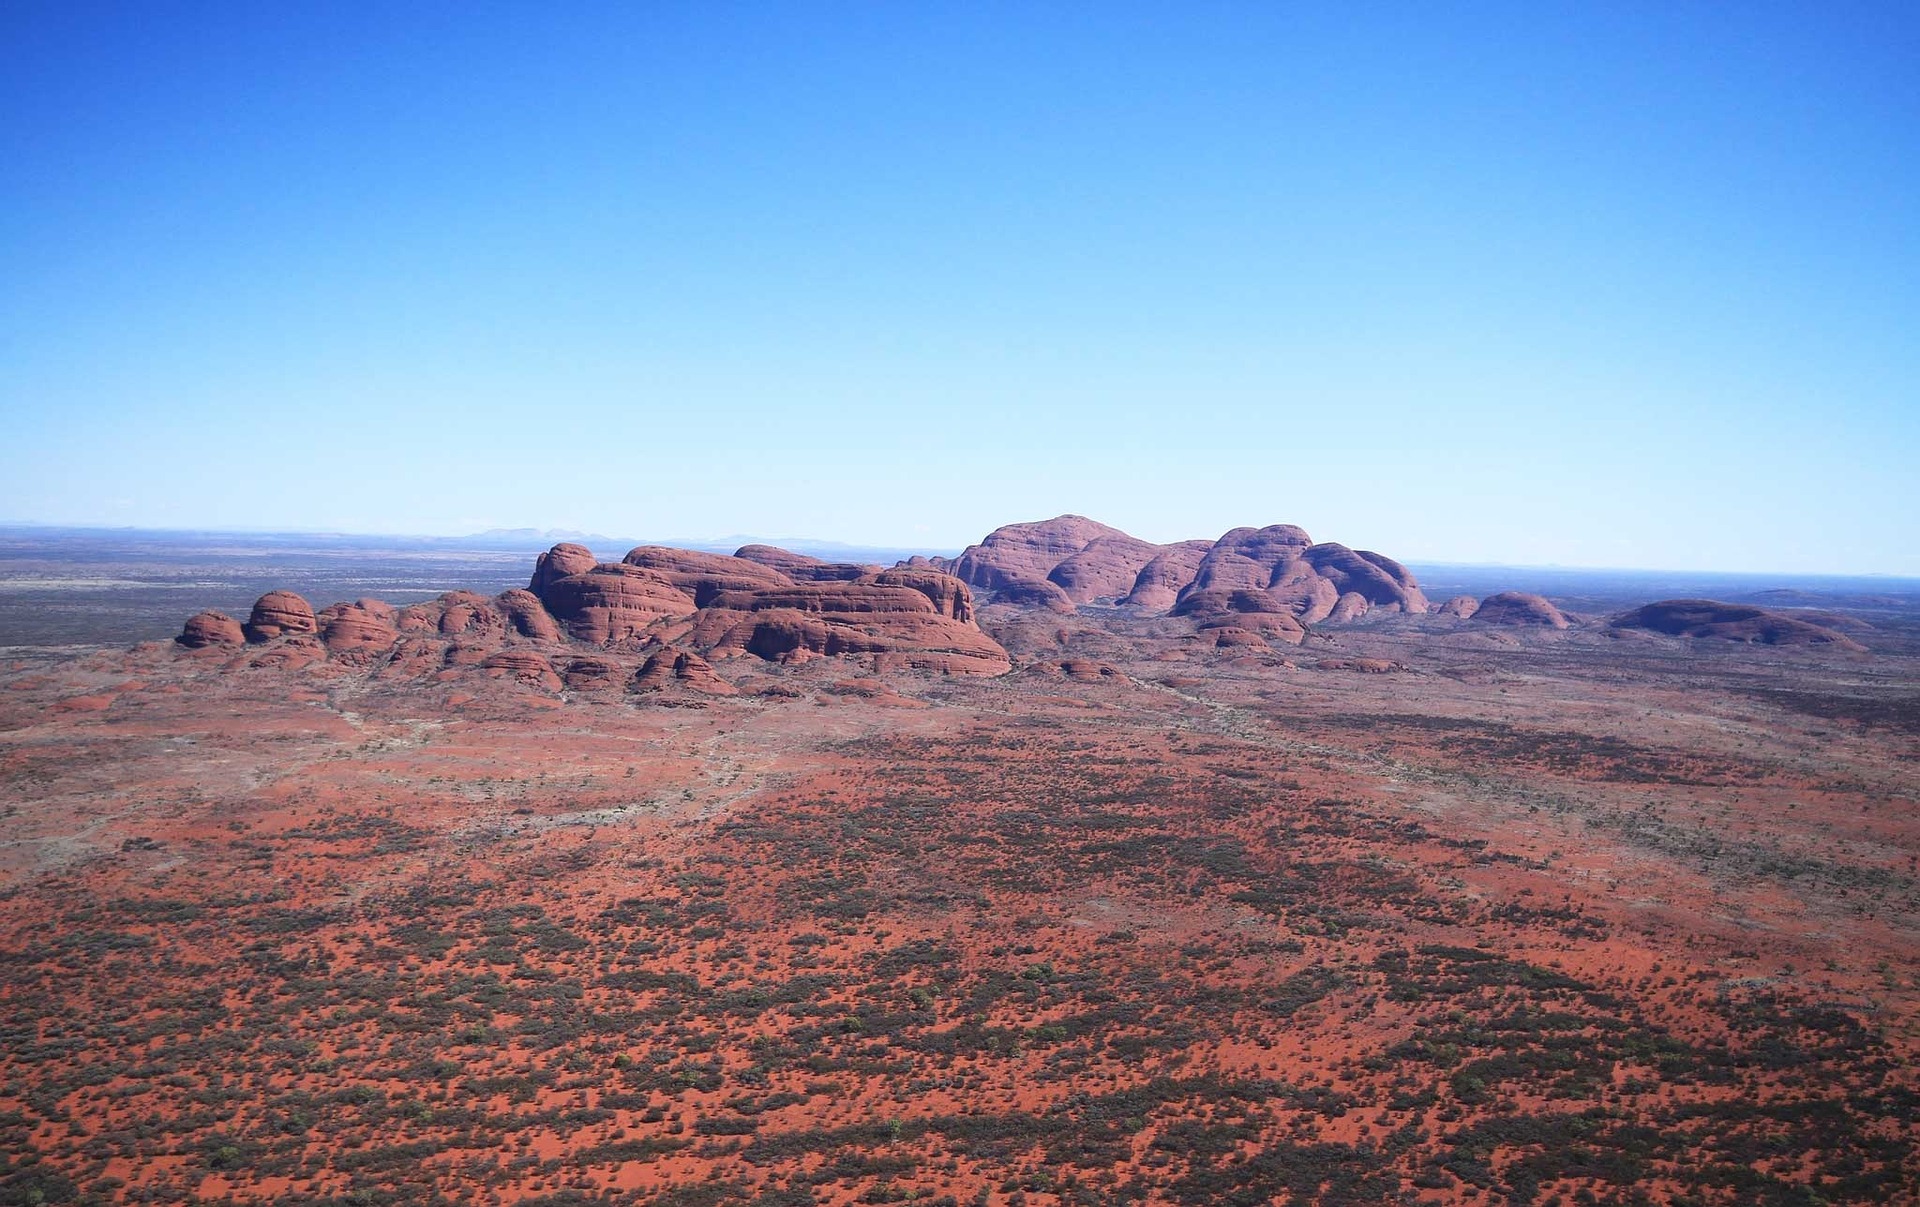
<point x="585" y="622"/>
<point x="527" y="616"/>
<point x="950" y="596"/>
<point x="524" y="666"/>
<point x="1088" y="562"/>
<point x="801" y="568"/>
<point x="1033" y="593"/>
<point x="1461" y="606"/>
<point x="1249" y="557"/>
<point x="613" y="603"/>
<point x="843" y="598"/>
<point x="1028" y="552"/>
<point x="669" y="668"/>
<point x="1247" y="609"/>
<point x="1519" y="609"/>
<point x="703" y="575"/>
<point x="1348" y="608"/>
<point x="918" y="639"/>
<point x="588" y="671"/>
<point x="1158" y="585"/>
<point x="1105" y="570"/>
<point x="559" y="562"/>
<point x="362" y="629"/>
<point x="280" y="614"/>
<point x="1384" y="583"/>
<point x="205" y="629"/>
<point x="1730" y="622"/>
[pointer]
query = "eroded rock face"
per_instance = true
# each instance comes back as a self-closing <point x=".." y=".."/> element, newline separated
<point x="1381" y="581"/>
<point x="1033" y="593"/>
<point x="527" y="666"/>
<point x="1244" y="609"/>
<point x="1105" y="569"/>
<point x="210" y="628"/>
<point x="1462" y="606"/>
<point x="280" y="614"/>
<point x="1519" y="609"/>
<point x="1157" y="587"/>
<point x="1019" y="553"/>
<point x="358" y="628"/>
<point x="1730" y="622"/>
<point x="920" y="639"/>
<point x="1349" y="607"/>
<point x="846" y="598"/>
<point x="1248" y="557"/>
<point x="527" y="616"/>
<point x="667" y="668"/>
<point x="561" y="561"/>
<point x="950" y="596"/>
<point x="614" y="602"/>
<point x="588" y="671"/>
<point x="801" y="568"/>
<point x="704" y="575"/>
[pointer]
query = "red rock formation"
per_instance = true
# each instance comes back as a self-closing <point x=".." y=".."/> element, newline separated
<point x="525" y="666"/>
<point x="801" y="568"/>
<point x="849" y="598"/>
<point x="1729" y="622"/>
<point x="1033" y="593"/>
<point x="1105" y="569"/>
<point x="1518" y="609"/>
<point x="469" y="613"/>
<point x="1299" y="588"/>
<point x="704" y="575"/>
<point x="210" y="628"/>
<point x="280" y="614"/>
<point x="1383" y="582"/>
<point x="587" y="671"/>
<point x="915" y="639"/>
<point x="1462" y="606"/>
<point x="1242" y="608"/>
<point x="1157" y="587"/>
<point x="1349" y="607"/>
<point x="291" y="652"/>
<point x="1230" y="637"/>
<point x="362" y="629"/>
<point x="527" y="616"/>
<point x="680" y="668"/>
<point x="1028" y="552"/>
<point x="613" y="602"/>
<point x="919" y="562"/>
<point x="561" y="561"/>
<point x="950" y="596"/>
<point x="1248" y="557"/>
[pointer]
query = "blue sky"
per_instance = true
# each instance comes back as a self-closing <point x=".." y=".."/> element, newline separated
<point x="1597" y="284"/>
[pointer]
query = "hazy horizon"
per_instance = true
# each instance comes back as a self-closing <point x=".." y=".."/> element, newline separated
<point x="617" y="542"/>
<point x="1516" y="284"/>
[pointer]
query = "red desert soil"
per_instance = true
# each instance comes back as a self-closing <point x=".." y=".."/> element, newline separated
<point x="1562" y="919"/>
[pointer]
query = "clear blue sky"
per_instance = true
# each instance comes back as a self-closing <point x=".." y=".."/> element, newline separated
<point x="1624" y="284"/>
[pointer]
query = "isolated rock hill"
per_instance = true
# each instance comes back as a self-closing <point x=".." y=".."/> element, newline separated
<point x="1251" y="570"/>
<point x="1730" y="622"/>
<point x="1518" y="609"/>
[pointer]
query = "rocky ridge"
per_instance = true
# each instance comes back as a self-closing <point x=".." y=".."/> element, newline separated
<point x="1710" y="618"/>
<point x="656" y="620"/>
<point x="1254" y="571"/>
<point x="671" y="620"/>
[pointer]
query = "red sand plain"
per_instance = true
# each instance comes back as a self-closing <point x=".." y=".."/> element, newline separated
<point x="1549" y="920"/>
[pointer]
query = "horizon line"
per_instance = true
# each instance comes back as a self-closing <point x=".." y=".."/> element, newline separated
<point x="749" y="538"/>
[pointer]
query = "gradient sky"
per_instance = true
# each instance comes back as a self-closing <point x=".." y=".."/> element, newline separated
<point x="1605" y="284"/>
